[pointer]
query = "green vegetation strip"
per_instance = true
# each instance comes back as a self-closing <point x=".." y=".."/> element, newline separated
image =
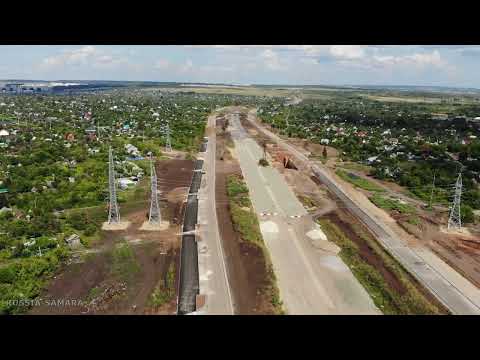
<point x="387" y="299"/>
<point x="246" y="224"/>
<point x="23" y="278"/>
<point x="396" y="205"/>
<point x="165" y="291"/>
<point x="359" y="181"/>
<point x="124" y="264"/>
<point x="392" y="204"/>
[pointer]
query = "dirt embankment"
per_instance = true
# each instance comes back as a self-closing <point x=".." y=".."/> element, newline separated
<point x="339" y="218"/>
<point x="246" y="263"/>
<point x="109" y="281"/>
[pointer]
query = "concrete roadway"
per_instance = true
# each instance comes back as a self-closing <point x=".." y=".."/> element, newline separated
<point x="214" y="282"/>
<point x="311" y="277"/>
<point x="454" y="291"/>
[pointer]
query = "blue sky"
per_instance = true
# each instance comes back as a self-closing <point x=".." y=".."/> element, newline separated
<point x="447" y="65"/>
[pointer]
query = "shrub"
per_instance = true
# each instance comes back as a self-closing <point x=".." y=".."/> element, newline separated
<point x="263" y="162"/>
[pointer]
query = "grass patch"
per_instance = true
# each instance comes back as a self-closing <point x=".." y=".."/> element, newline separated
<point x="392" y="204"/>
<point x="306" y="201"/>
<point x="235" y="186"/>
<point x="124" y="264"/>
<point x="263" y="162"/>
<point x="93" y="293"/>
<point x="413" y="221"/>
<point x="23" y="278"/>
<point x="165" y="291"/>
<point x="359" y="181"/>
<point x="245" y="222"/>
<point x="385" y="297"/>
<point x="356" y="167"/>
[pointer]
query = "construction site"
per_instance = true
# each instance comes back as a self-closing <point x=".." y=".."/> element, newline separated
<point x="183" y="243"/>
<point x="125" y="271"/>
<point x="458" y="250"/>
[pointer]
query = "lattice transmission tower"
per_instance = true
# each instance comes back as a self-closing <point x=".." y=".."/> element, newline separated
<point x="154" y="216"/>
<point x="113" y="212"/>
<point x="455" y="219"/>
<point x="168" y="144"/>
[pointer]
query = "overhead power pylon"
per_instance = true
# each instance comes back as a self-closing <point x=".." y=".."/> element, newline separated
<point x="455" y="219"/>
<point x="113" y="212"/>
<point x="154" y="216"/>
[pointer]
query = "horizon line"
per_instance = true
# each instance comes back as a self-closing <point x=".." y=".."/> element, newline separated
<point x="247" y="85"/>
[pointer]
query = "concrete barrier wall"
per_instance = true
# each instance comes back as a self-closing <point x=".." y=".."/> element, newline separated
<point x="196" y="181"/>
<point x="189" y="284"/>
<point x="189" y="280"/>
<point x="191" y="214"/>
<point x="198" y="165"/>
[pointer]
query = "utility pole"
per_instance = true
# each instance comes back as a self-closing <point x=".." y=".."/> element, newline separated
<point x="168" y="144"/>
<point x="455" y="219"/>
<point x="113" y="212"/>
<point x="154" y="216"/>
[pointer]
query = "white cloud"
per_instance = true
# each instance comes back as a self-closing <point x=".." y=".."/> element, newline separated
<point x="272" y="60"/>
<point x="348" y="52"/>
<point x="83" y="56"/>
<point x="416" y="60"/>
<point x="71" y="57"/>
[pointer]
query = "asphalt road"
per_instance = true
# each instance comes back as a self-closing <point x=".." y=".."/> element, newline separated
<point x="454" y="291"/>
<point x="311" y="277"/>
<point x="214" y="282"/>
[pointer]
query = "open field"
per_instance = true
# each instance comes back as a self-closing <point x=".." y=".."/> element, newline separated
<point x="406" y="99"/>
<point x="250" y="91"/>
<point x="443" y="99"/>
